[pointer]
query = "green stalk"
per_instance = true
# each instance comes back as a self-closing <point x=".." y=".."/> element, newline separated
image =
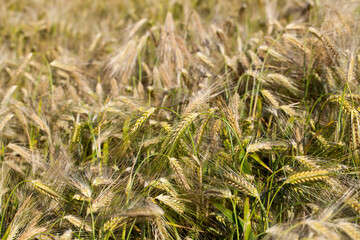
<point x="7" y="203"/>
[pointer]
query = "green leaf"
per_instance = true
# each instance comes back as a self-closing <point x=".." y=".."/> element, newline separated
<point x="247" y="219"/>
<point x="227" y="212"/>
<point x="245" y="166"/>
<point x="242" y="154"/>
<point x="256" y="158"/>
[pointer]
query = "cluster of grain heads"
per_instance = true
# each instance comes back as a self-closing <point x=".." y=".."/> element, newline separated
<point x="148" y="210"/>
<point x="172" y="202"/>
<point x="113" y="223"/>
<point x="179" y="173"/>
<point x="46" y="190"/>
<point x="354" y="204"/>
<point x="140" y="122"/>
<point x="307" y="176"/>
<point x="327" y="42"/>
<point x="315" y="228"/>
<point x="152" y="122"/>
<point x="351" y="230"/>
<point x="217" y="193"/>
<point x="79" y="223"/>
<point x="240" y="183"/>
<point x="176" y="133"/>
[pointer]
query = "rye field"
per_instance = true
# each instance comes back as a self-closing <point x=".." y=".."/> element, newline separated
<point x="170" y="119"/>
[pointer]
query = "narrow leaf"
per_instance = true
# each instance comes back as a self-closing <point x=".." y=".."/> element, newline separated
<point x="227" y="212"/>
<point x="247" y="219"/>
<point x="256" y="158"/>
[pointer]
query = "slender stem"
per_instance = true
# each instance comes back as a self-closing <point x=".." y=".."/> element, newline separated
<point x="7" y="203"/>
